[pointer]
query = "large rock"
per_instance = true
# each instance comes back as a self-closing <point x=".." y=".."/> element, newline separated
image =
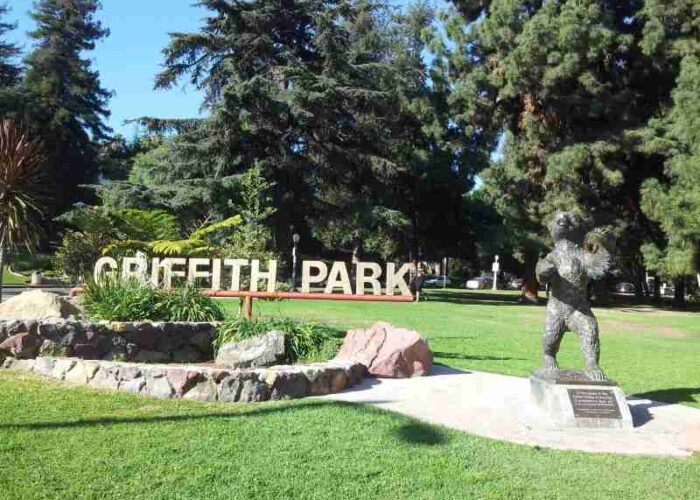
<point x="37" y="304"/>
<point x="22" y="345"/>
<point x="264" y="350"/>
<point x="387" y="351"/>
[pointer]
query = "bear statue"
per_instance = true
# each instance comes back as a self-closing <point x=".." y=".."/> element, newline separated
<point x="568" y="269"/>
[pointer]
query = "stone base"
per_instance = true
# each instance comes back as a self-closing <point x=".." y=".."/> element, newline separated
<point x="569" y="399"/>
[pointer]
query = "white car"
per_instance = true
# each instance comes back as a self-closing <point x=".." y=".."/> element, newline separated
<point x="437" y="281"/>
<point x="479" y="283"/>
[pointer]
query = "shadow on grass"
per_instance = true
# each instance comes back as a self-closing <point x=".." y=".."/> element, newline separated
<point x="456" y="355"/>
<point x="421" y="434"/>
<point x="473" y="298"/>
<point x="676" y="395"/>
<point x="259" y="410"/>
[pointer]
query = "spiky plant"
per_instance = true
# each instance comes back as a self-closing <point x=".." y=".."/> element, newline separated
<point x="21" y="165"/>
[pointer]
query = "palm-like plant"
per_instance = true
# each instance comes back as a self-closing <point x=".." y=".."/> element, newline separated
<point x="21" y="162"/>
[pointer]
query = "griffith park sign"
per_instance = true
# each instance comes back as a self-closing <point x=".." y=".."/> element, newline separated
<point x="227" y="274"/>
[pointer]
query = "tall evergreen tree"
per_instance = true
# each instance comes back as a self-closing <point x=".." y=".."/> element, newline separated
<point x="564" y="82"/>
<point x="9" y="70"/>
<point x="67" y="104"/>
<point x="328" y="97"/>
<point x="673" y="201"/>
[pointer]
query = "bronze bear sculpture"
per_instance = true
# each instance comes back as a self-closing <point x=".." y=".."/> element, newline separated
<point x="568" y="269"/>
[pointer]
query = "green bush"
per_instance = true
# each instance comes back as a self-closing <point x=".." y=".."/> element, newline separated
<point x="187" y="303"/>
<point x="77" y="254"/>
<point x="303" y="341"/>
<point x="119" y="300"/>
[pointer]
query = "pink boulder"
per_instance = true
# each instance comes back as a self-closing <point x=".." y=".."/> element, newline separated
<point x="387" y="351"/>
<point x="22" y="345"/>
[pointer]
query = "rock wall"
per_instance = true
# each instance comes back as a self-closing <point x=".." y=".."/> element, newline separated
<point x="202" y="383"/>
<point x="134" y="341"/>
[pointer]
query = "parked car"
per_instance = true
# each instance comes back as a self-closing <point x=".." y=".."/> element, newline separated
<point x="516" y="283"/>
<point x="624" y="287"/>
<point x="479" y="283"/>
<point x="437" y="281"/>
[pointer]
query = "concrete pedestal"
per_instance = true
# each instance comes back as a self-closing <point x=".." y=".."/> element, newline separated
<point x="569" y="399"/>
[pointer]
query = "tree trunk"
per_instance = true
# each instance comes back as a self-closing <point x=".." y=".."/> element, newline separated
<point x="530" y="283"/>
<point x="640" y="285"/>
<point x="657" y="289"/>
<point x="679" y="292"/>
<point x="2" y="268"/>
<point x="601" y="291"/>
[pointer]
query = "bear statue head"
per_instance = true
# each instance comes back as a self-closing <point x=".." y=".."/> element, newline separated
<point x="567" y="226"/>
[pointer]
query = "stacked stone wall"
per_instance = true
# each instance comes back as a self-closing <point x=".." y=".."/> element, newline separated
<point x="198" y="382"/>
<point x="129" y="341"/>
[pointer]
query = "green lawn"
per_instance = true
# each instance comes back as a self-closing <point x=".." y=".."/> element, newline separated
<point x="58" y="441"/>
<point x="651" y="352"/>
<point x="13" y="279"/>
<point x="66" y="442"/>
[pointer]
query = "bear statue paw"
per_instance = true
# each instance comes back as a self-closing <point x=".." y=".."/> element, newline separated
<point x="596" y="374"/>
<point x="549" y="364"/>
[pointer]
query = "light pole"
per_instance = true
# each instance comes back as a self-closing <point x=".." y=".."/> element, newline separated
<point x="295" y="243"/>
<point x="495" y="267"/>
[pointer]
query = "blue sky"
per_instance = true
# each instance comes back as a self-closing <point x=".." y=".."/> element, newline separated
<point x="131" y="56"/>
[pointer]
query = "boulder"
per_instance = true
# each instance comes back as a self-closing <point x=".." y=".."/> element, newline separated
<point x="37" y="304"/>
<point x="22" y="345"/>
<point x="387" y="351"/>
<point x="263" y="350"/>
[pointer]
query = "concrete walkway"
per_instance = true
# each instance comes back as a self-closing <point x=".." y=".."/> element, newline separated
<point x="498" y="407"/>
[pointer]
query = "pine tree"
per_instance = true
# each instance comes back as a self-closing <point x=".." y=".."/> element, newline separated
<point x="328" y="97"/>
<point x="67" y="105"/>
<point x="565" y="83"/>
<point x="673" y="201"/>
<point x="9" y="70"/>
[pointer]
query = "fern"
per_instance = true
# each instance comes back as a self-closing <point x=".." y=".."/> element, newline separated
<point x="179" y="247"/>
<point x="120" y="247"/>
<point x="211" y="229"/>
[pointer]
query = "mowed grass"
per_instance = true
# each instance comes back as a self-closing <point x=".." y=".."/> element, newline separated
<point x="9" y="278"/>
<point x="649" y="351"/>
<point x="58" y="441"/>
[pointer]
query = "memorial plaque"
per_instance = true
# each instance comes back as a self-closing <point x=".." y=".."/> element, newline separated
<point x="594" y="403"/>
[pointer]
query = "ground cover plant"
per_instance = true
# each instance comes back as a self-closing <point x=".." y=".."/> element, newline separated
<point x="129" y="300"/>
<point x="304" y="341"/>
<point x="649" y="351"/>
<point x="72" y="442"/>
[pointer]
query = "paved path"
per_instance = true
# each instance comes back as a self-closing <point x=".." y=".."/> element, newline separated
<point x="498" y="406"/>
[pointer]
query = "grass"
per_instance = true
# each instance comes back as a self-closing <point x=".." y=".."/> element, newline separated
<point x="650" y="352"/>
<point x="59" y="441"/>
<point x="9" y="278"/>
<point x="70" y="442"/>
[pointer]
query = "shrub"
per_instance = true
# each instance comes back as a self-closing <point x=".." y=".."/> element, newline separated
<point x="187" y="303"/>
<point x="303" y="341"/>
<point x="77" y="254"/>
<point x="119" y="300"/>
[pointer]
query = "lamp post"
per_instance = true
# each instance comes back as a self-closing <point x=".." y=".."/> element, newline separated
<point x="295" y="243"/>
<point x="495" y="267"/>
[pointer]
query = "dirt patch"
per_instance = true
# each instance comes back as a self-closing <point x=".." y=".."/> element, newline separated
<point x="616" y="325"/>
